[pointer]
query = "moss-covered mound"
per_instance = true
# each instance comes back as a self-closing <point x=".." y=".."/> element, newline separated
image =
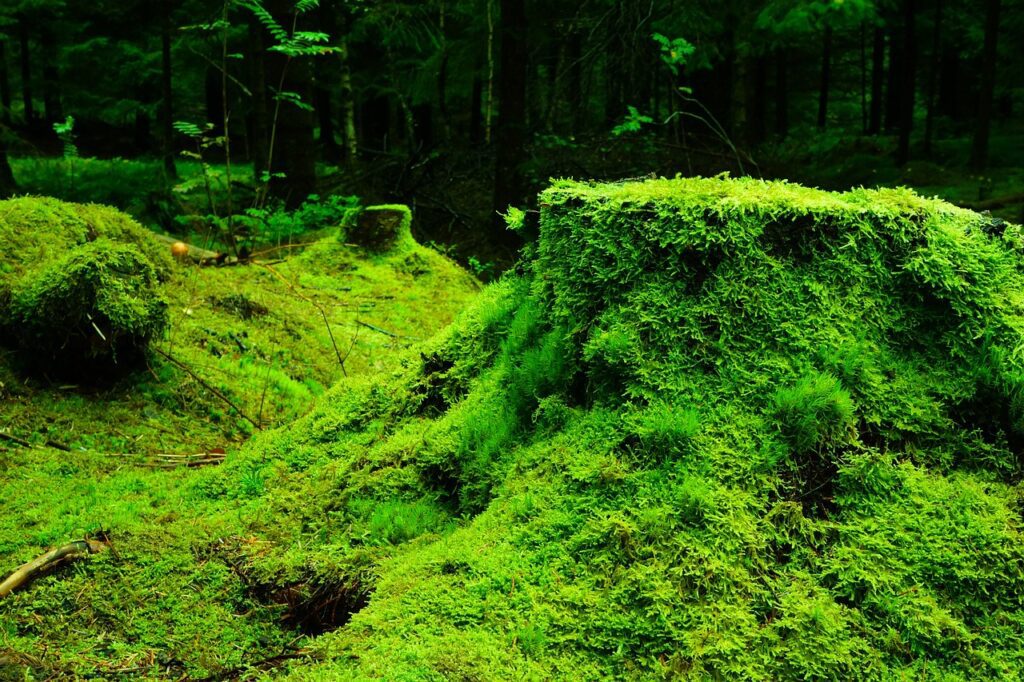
<point x="78" y="283"/>
<point x="713" y="429"/>
<point x="717" y="429"/>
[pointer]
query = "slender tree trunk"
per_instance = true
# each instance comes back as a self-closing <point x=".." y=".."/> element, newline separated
<point x="476" y="111"/>
<point x="167" y="93"/>
<point x="293" y="151"/>
<point x="893" y="81"/>
<point x="933" y="79"/>
<point x="442" y="74"/>
<point x="758" y="97"/>
<point x="26" y="70"/>
<point x="5" y="86"/>
<point x="781" y="93"/>
<point x="877" y="81"/>
<point x="7" y="184"/>
<point x="348" y="106"/>
<point x="259" y="116"/>
<point x="509" y="183"/>
<point x="979" y="147"/>
<point x="575" y="86"/>
<point x="326" y="70"/>
<point x="53" y="111"/>
<point x="489" y="104"/>
<point x="863" y="80"/>
<point x="826" y="74"/>
<point x="907" y="101"/>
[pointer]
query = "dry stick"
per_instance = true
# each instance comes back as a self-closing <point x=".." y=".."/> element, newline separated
<point x="323" y="314"/>
<point x="14" y="439"/>
<point x="188" y="370"/>
<point x="68" y="552"/>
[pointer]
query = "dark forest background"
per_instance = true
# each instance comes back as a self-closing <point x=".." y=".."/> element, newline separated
<point x="463" y="107"/>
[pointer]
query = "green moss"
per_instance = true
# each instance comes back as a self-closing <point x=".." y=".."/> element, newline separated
<point x="718" y="429"/>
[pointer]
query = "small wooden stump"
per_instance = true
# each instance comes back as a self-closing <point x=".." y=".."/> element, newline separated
<point x="381" y="228"/>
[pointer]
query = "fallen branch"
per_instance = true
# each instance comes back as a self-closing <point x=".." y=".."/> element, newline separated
<point x="188" y="370"/>
<point x="53" y="558"/>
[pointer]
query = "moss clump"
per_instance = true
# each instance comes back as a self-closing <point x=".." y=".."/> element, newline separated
<point x="78" y="284"/>
<point x="99" y="301"/>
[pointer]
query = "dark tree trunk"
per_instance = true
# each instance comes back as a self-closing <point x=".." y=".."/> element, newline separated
<point x="476" y="134"/>
<point x="5" y="86"/>
<point x="757" y="102"/>
<point x="575" y="85"/>
<point x="167" y="93"/>
<point x="877" y="81"/>
<point x="26" y="70"/>
<point x="950" y="95"/>
<point x="979" y="147"/>
<point x="53" y="111"/>
<point x="933" y="78"/>
<point x="214" y="100"/>
<point x="293" y="152"/>
<point x="826" y="75"/>
<point x="781" y="94"/>
<point x="893" y="82"/>
<point x="326" y="79"/>
<point x="259" y="114"/>
<point x="908" y="81"/>
<point x="510" y="138"/>
<point x="7" y="184"/>
<point x="348" y="105"/>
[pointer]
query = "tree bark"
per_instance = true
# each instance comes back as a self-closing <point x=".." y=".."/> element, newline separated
<point x="166" y="93"/>
<point x="509" y="183"/>
<point x="826" y="75"/>
<point x="781" y="93"/>
<point x="907" y="100"/>
<point x="892" y="82"/>
<point x="326" y="69"/>
<point x="933" y="78"/>
<point x="293" y="152"/>
<point x="348" y="106"/>
<point x="259" y="114"/>
<point x="979" y="146"/>
<point x="26" y="70"/>
<point x="877" y="81"/>
<point x="7" y="184"/>
<point x="5" y="86"/>
<point x="53" y="111"/>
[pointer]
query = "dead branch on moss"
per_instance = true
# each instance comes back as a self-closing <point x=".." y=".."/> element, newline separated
<point x="223" y="398"/>
<point x="323" y="313"/>
<point x="63" y="554"/>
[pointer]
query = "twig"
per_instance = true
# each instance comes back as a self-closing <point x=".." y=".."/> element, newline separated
<point x="188" y="370"/>
<point x="14" y="439"/>
<point x="68" y="552"/>
<point x="377" y="329"/>
<point x="323" y="313"/>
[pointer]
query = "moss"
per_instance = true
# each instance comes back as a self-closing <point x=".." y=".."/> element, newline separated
<point x="717" y="429"/>
<point x="383" y="228"/>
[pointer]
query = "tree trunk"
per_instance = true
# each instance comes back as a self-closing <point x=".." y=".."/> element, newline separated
<point x="5" y="86"/>
<point x="781" y="94"/>
<point x="214" y="100"/>
<point x="259" y="115"/>
<point x="26" y="70"/>
<point x="509" y="183"/>
<point x="979" y="147"/>
<point x="933" y="78"/>
<point x="758" y="97"/>
<point x="575" y="86"/>
<point x="877" y="80"/>
<point x="53" y="111"/>
<point x="167" y="93"/>
<point x="476" y="111"/>
<point x="326" y="69"/>
<point x="892" y="82"/>
<point x="906" y="122"/>
<point x="7" y="184"/>
<point x="293" y="151"/>
<point x="826" y="74"/>
<point x="348" y="106"/>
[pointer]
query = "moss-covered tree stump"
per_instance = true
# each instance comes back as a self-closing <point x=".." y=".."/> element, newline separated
<point x="79" y="285"/>
<point x="382" y="228"/>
